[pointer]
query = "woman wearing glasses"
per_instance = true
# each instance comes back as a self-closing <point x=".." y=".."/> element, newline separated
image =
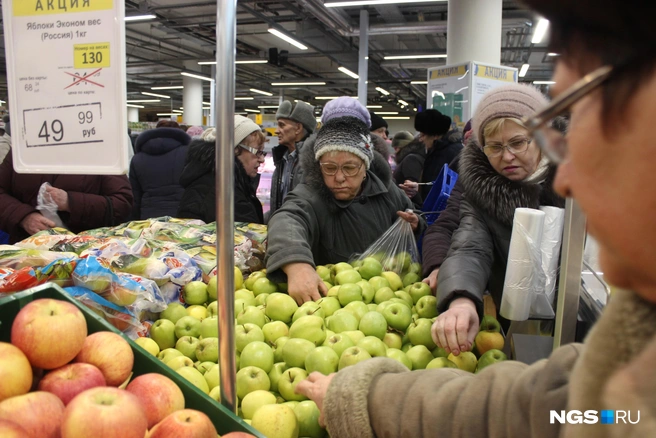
<point x="347" y="201"/>
<point x="199" y="179"/>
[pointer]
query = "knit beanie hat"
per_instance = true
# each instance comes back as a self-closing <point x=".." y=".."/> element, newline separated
<point x="401" y="139"/>
<point x="345" y="106"/>
<point x="347" y="134"/>
<point x="511" y="101"/>
<point x="377" y="121"/>
<point x="432" y="122"/>
<point x="302" y="113"/>
<point x="243" y="128"/>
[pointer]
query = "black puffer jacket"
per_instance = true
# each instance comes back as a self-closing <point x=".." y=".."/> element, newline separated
<point x="410" y="166"/>
<point x="155" y="172"/>
<point x="478" y="255"/>
<point x="443" y="152"/>
<point x="198" y="180"/>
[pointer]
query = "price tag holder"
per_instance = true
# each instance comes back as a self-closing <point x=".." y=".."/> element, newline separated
<point x="67" y="105"/>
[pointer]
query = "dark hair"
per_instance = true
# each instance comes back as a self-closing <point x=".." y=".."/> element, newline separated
<point x="167" y="124"/>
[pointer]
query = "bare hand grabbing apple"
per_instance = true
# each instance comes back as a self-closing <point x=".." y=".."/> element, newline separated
<point x="304" y="284"/>
<point x="456" y="328"/>
<point x="315" y="388"/>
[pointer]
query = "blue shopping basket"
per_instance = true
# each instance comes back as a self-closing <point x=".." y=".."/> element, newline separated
<point x="439" y="194"/>
<point x="4" y="237"/>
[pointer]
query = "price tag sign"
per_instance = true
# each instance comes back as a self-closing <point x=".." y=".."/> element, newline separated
<point x="66" y="79"/>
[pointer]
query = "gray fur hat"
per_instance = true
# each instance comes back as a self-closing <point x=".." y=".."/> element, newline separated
<point x="302" y="113"/>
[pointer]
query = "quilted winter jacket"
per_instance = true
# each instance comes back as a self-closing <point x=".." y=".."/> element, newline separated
<point x="278" y="153"/>
<point x="410" y="167"/>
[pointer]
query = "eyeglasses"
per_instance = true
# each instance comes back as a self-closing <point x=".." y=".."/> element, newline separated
<point x="552" y="142"/>
<point x="516" y="146"/>
<point x="258" y="152"/>
<point x="330" y="169"/>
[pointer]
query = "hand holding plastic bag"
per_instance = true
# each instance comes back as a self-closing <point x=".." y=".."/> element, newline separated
<point x="47" y="205"/>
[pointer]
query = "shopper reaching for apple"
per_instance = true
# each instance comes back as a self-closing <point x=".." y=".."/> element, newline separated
<point x="347" y="201"/>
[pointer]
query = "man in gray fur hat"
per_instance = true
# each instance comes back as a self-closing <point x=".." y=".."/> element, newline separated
<point x="295" y="124"/>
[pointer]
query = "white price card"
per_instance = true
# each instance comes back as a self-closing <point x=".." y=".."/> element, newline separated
<point x="66" y="80"/>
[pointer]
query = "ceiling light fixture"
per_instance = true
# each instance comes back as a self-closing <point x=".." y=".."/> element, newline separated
<point x="251" y="61"/>
<point x="206" y="103"/>
<point x="206" y="62"/>
<point x="523" y="70"/>
<point x="169" y="87"/>
<point x="325" y="97"/>
<point x="252" y="110"/>
<point x="155" y="95"/>
<point x="193" y="75"/>
<point x="287" y="38"/>
<point x="135" y="106"/>
<point x="397" y="118"/>
<point x="540" y="31"/>
<point x="140" y="17"/>
<point x="143" y="101"/>
<point x="544" y="82"/>
<point x="244" y="98"/>
<point x="389" y="113"/>
<point x="553" y="54"/>
<point x="291" y="84"/>
<point x="348" y="72"/>
<point x="346" y="4"/>
<point x="168" y="114"/>
<point x="403" y="102"/>
<point x="389" y="58"/>
<point x="418" y="82"/>
<point x="374" y="106"/>
<point x="177" y="111"/>
<point x="268" y="106"/>
<point x="266" y="93"/>
<point x="381" y="90"/>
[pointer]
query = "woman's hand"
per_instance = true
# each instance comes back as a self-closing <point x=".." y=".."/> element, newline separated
<point x="315" y="388"/>
<point x="59" y="196"/>
<point x="456" y="328"/>
<point x="431" y="280"/>
<point x="35" y="222"/>
<point x="409" y="217"/>
<point x="411" y="188"/>
<point x="303" y="283"/>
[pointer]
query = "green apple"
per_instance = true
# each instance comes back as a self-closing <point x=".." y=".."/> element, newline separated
<point x="415" y="267"/>
<point x="280" y="307"/>
<point x="274" y="375"/>
<point x="333" y="291"/>
<point x="323" y="273"/>
<point x="251" y="379"/>
<point x="309" y="308"/>
<point x="208" y="350"/>
<point x="169" y="353"/>
<point x="252" y="278"/>
<point x="246" y="295"/>
<point x="212" y="287"/>
<point x="399" y="356"/>
<point x="173" y="312"/>
<point x="309" y="327"/>
<point x="368" y="291"/>
<point x="283" y="287"/>
<point x="195" y="292"/>
<point x="490" y="357"/>
<point x="252" y="315"/>
<point x="440" y="362"/>
<point x="328" y="285"/>
<point x="370" y="268"/>
<point x="355" y="335"/>
<point x="179" y="362"/>
<point x="420" y="356"/>
<point x="187" y="326"/>
<point x="342" y="321"/>
<point x="203" y="366"/>
<point x="339" y="342"/>
<point x="307" y="415"/>
<point x="351" y="356"/>
<point x="292" y="404"/>
<point x="383" y="294"/>
<point x="329" y="305"/>
<point x="373" y="324"/>
<point x="404" y="296"/>
<point x="398" y="316"/>
<point x="247" y="333"/>
<point x="406" y="347"/>
<point x="212" y="309"/>
<point x="439" y="352"/>
<point x="358" y="308"/>
<point x="411" y="278"/>
<point x="337" y="268"/>
<point x="274" y="330"/>
<point x="401" y="301"/>
<point x="490" y="323"/>
<point x="418" y="290"/>
<point x="427" y="306"/>
<point x="466" y="360"/>
<point x="349" y="292"/>
<point x="257" y="354"/>
<point x="276" y="421"/>
<point x="404" y="259"/>
<point x="419" y="333"/>
<point x="209" y="327"/>
<point x="148" y="344"/>
<point x="197" y="311"/>
<point x="277" y="349"/>
<point x="394" y="280"/>
<point x="254" y="401"/>
<point x="393" y="340"/>
<point x="295" y="351"/>
<point x="195" y="377"/>
<point x="215" y="394"/>
<point x="378" y="282"/>
<point x="356" y="264"/>
<point x="288" y="381"/>
<point x="264" y="286"/>
<point x="322" y="359"/>
<point x="349" y="276"/>
<point x="261" y="299"/>
<point x="372" y="307"/>
<point x="163" y="332"/>
<point x="374" y="346"/>
<point x="187" y="346"/>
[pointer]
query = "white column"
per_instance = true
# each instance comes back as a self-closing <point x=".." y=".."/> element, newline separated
<point x="192" y="97"/>
<point x="133" y="114"/>
<point x="474" y="31"/>
<point x="363" y="67"/>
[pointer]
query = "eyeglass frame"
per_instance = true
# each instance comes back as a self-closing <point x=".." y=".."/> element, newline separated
<point x="506" y="147"/>
<point x="340" y="168"/>
<point x="257" y="152"/>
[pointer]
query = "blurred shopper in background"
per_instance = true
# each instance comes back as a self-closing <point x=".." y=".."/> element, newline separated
<point x="295" y="124"/>
<point x="400" y="140"/>
<point x="410" y="160"/>
<point x="604" y="76"/>
<point x="378" y="125"/>
<point x="5" y="139"/>
<point x="155" y="170"/>
<point x="195" y="132"/>
<point x="199" y="176"/>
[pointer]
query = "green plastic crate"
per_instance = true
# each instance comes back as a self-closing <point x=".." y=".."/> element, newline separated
<point x="224" y="420"/>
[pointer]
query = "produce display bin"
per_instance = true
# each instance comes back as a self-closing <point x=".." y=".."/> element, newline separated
<point x="224" y="420"/>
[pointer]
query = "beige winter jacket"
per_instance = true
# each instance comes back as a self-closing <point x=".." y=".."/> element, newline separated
<point x="613" y="369"/>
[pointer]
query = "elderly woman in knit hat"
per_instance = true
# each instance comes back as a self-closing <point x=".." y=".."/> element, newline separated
<point x="347" y="201"/>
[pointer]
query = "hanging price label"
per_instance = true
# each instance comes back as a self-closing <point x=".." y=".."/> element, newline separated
<point x="91" y="55"/>
<point x="63" y="125"/>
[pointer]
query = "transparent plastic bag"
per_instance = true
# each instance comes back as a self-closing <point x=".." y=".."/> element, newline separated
<point x="47" y="206"/>
<point x="396" y="249"/>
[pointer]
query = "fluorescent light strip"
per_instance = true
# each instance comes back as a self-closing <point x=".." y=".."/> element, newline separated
<point x="244" y="98"/>
<point x="130" y="105"/>
<point x="381" y="90"/>
<point x="191" y="75"/>
<point x="397" y="118"/>
<point x="523" y="70"/>
<point x="252" y="110"/>
<point x="171" y="87"/>
<point x="374" y="106"/>
<point x="168" y="114"/>
<point x="252" y="61"/>
<point x="418" y="82"/>
<point x="389" y="113"/>
<point x="287" y="38"/>
<point x="544" y="82"/>
<point x="206" y="103"/>
<point x="266" y="93"/>
<point x="143" y="101"/>
<point x="326" y="97"/>
<point x="292" y="84"/>
<point x="155" y="95"/>
<point x="140" y="17"/>
<point x="553" y="54"/>
<point x="540" y="31"/>
<point x="389" y="58"/>
<point x="177" y="111"/>
<point x="268" y="106"/>
<point x="346" y="4"/>
<point x="403" y="102"/>
<point x="348" y="72"/>
<point x="206" y="62"/>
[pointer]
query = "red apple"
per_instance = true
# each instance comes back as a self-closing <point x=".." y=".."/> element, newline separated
<point x="159" y="395"/>
<point x="15" y="371"/>
<point x="238" y="435"/>
<point x="104" y="412"/>
<point x="39" y="413"/>
<point x="70" y="380"/>
<point x="9" y="429"/>
<point x="110" y="353"/>
<point x="50" y="332"/>
<point x="187" y="423"/>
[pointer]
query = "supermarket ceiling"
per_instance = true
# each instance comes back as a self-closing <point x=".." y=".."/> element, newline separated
<point x="183" y="32"/>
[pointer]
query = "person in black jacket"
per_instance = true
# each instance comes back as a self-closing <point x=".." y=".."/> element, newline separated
<point x="199" y="178"/>
<point x="410" y="167"/>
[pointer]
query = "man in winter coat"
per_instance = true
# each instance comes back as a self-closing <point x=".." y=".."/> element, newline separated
<point x="295" y="124"/>
<point x="410" y="167"/>
<point x="613" y="370"/>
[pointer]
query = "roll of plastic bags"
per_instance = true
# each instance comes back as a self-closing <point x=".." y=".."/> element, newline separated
<point x="552" y="237"/>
